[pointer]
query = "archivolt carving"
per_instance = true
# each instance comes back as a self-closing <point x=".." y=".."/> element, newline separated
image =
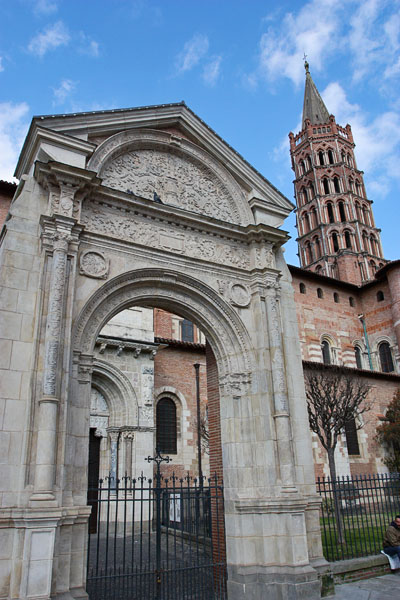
<point x="184" y="175"/>
<point x="186" y="296"/>
<point x="118" y="391"/>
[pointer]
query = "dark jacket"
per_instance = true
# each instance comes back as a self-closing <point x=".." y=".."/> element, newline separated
<point x="392" y="535"/>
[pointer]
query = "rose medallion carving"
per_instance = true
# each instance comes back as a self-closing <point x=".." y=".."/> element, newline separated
<point x="239" y="295"/>
<point x="94" y="264"/>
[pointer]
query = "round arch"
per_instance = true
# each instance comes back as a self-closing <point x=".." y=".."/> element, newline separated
<point x="119" y="392"/>
<point x="177" y="293"/>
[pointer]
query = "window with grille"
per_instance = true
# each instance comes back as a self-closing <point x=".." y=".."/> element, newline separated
<point x="350" y="430"/>
<point x="187" y="331"/>
<point x="166" y="429"/>
<point x="357" y="353"/>
<point x="385" y="356"/>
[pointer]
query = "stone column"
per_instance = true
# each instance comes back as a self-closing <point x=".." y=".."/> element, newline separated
<point x="114" y="433"/>
<point x="128" y="436"/>
<point x="281" y="404"/>
<point x="48" y="404"/>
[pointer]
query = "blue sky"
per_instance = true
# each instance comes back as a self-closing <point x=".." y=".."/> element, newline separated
<point x="237" y="64"/>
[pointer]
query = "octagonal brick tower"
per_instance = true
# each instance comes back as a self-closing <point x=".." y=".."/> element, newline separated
<point x="337" y="235"/>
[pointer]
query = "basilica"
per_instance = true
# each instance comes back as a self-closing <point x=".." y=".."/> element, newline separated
<point x="146" y="306"/>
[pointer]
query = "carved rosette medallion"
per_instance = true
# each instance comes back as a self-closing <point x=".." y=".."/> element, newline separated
<point x="239" y="295"/>
<point x="94" y="264"/>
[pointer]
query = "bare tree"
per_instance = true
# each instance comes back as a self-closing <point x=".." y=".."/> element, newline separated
<point x="334" y="398"/>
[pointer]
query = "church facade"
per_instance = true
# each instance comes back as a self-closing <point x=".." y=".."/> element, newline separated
<point x="138" y="245"/>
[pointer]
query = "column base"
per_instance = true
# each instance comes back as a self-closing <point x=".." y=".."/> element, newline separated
<point x="274" y="583"/>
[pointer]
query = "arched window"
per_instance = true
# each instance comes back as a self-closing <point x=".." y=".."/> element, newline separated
<point x="385" y="356"/>
<point x="330" y="157"/>
<point x="349" y="160"/>
<point x="351" y="301"/>
<point x="308" y="162"/>
<point x="317" y="246"/>
<point x="372" y="265"/>
<point x="344" y="157"/>
<point x="325" y="183"/>
<point x="187" y="331"/>
<point x="321" y="157"/>
<point x="307" y="220"/>
<point x="357" y="354"/>
<point x="309" y="254"/>
<point x="335" y="242"/>
<point x="374" y="246"/>
<point x="347" y="239"/>
<point x="350" y="430"/>
<point x="358" y="188"/>
<point x="166" y="426"/>
<point x="312" y="190"/>
<point x="336" y="297"/>
<point x="304" y="195"/>
<point x="331" y="217"/>
<point x="302" y="288"/>
<point x="380" y="296"/>
<point x="342" y="212"/>
<point x="359" y="212"/>
<point x="351" y="184"/>
<point x="318" y="269"/>
<point x="320" y="294"/>
<point x="326" y="352"/>
<point x="302" y="167"/>
<point x="366" y="215"/>
<point x="365" y="241"/>
<point x="336" y="184"/>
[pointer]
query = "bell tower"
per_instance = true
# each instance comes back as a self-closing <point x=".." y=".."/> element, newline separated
<point x="337" y="236"/>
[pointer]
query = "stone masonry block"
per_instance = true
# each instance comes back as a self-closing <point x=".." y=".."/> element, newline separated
<point x="10" y="325"/>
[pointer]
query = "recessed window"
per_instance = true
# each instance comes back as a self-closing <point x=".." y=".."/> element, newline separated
<point x="342" y="212"/>
<point x="302" y="288"/>
<point x="187" y="331"/>
<point x="326" y="352"/>
<point x="320" y="293"/>
<point x="335" y="242"/>
<point x="325" y="183"/>
<point x="351" y="301"/>
<point x="380" y="296"/>
<point x="336" y="185"/>
<point x="331" y="217"/>
<point x="350" y="430"/>
<point x="336" y="297"/>
<point x="330" y="157"/>
<point x="166" y="430"/>
<point x="347" y="239"/>
<point x="357" y="354"/>
<point x="385" y="356"/>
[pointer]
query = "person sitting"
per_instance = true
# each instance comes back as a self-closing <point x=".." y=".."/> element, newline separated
<point x="391" y="540"/>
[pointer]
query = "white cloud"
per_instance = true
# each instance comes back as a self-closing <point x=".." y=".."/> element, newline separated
<point x="45" y="7"/>
<point x="193" y="51"/>
<point x="212" y="71"/>
<point x="314" y="31"/>
<point x="377" y="141"/>
<point x="54" y="36"/>
<point x="65" y="89"/>
<point x="13" y="128"/>
<point x="88" y="46"/>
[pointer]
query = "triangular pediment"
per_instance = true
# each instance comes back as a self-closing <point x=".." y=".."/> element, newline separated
<point x="168" y="146"/>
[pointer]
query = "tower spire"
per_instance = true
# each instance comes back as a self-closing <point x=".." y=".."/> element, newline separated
<point x="314" y="108"/>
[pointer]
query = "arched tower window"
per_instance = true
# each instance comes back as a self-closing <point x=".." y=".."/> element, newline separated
<point x="365" y="241"/>
<point x="326" y="352"/>
<point x="349" y="160"/>
<point x="344" y="157"/>
<point x="385" y="357"/>
<point x="330" y="157"/>
<point x="309" y="254"/>
<point x="321" y="157"/>
<point x="347" y="239"/>
<point x="312" y="190"/>
<point x="359" y="212"/>
<point x="307" y="220"/>
<point x="302" y="168"/>
<point x="308" y="162"/>
<point x="325" y="184"/>
<point x="374" y="246"/>
<point x="331" y="217"/>
<point x="302" y="288"/>
<point x="351" y="184"/>
<point x="335" y="242"/>
<point x="358" y="189"/>
<point x="166" y="426"/>
<point x="336" y="184"/>
<point x="342" y="212"/>
<point x="317" y="245"/>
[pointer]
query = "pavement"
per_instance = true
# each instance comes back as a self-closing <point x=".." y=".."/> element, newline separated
<point x="385" y="587"/>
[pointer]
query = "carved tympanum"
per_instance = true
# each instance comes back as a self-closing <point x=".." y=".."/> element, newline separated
<point x="176" y="180"/>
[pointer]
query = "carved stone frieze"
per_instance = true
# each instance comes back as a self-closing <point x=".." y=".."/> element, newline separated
<point x="235" y="384"/>
<point x="94" y="264"/>
<point x="154" y="235"/>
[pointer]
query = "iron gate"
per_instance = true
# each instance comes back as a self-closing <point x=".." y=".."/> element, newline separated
<point x="158" y="539"/>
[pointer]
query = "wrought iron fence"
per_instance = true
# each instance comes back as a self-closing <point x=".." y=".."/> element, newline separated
<point x="355" y="513"/>
<point x="156" y="539"/>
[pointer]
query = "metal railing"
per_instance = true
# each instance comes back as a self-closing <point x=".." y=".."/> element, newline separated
<point x="355" y="513"/>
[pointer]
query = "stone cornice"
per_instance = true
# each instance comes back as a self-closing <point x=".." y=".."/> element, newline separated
<point x="38" y="135"/>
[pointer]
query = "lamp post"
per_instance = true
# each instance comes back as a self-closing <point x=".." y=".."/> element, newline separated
<point x="197" y="370"/>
